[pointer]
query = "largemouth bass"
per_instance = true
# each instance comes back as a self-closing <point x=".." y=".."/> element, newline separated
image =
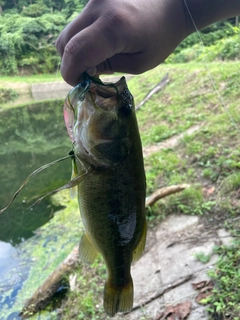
<point x="107" y="154"/>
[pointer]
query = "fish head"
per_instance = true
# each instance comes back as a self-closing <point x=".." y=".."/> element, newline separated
<point x="105" y="121"/>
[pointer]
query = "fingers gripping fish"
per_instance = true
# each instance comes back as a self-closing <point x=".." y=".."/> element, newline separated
<point x="101" y="122"/>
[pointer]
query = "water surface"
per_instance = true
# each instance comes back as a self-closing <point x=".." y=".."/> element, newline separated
<point x="30" y="137"/>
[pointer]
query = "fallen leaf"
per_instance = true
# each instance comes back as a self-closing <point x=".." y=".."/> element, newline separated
<point x="208" y="287"/>
<point x="201" y="296"/>
<point x="159" y="316"/>
<point x="178" y="312"/>
<point x="211" y="190"/>
<point x="199" y="285"/>
<point x="205" y="290"/>
<point x="208" y="191"/>
<point x="169" y="312"/>
<point x="183" y="309"/>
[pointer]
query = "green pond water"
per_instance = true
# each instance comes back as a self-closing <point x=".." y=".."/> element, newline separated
<point x="33" y="241"/>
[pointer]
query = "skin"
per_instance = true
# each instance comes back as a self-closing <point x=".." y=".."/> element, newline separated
<point x="132" y="36"/>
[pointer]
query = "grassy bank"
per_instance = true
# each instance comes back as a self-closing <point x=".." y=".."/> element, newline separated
<point x="16" y="90"/>
<point x="207" y="159"/>
<point x="34" y="78"/>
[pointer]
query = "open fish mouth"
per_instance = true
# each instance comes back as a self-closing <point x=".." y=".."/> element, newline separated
<point x="108" y="93"/>
<point x="95" y="114"/>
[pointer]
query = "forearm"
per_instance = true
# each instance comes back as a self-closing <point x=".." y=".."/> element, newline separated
<point x="206" y="12"/>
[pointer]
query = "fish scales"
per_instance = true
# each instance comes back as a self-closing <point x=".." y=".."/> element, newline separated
<point x="108" y="154"/>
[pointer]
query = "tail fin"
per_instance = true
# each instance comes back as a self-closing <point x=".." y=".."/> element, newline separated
<point x="118" y="298"/>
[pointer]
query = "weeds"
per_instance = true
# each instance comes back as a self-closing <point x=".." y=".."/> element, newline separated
<point x="204" y="258"/>
<point x="85" y="302"/>
<point x="224" y="300"/>
<point x="7" y="95"/>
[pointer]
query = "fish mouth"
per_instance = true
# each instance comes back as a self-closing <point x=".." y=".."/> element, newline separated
<point x="105" y="95"/>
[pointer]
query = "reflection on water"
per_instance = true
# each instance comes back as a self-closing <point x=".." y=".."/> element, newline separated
<point x="6" y="250"/>
<point x="12" y="274"/>
<point x="30" y="137"/>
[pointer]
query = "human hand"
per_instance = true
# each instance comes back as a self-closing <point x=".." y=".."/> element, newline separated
<point x="129" y="36"/>
<point x="132" y="36"/>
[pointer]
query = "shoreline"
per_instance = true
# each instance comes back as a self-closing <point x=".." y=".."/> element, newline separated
<point x="43" y="91"/>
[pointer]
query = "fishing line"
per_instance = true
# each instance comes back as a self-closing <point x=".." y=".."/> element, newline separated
<point x="31" y="176"/>
<point x="70" y="184"/>
<point x="209" y="73"/>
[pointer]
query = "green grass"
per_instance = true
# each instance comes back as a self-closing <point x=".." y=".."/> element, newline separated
<point x="35" y="78"/>
<point x="204" y="258"/>
<point x="223" y="303"/>
<point x="188" y="99"/>
<point x="209" y="157"/>
<point x="85" y="302"/>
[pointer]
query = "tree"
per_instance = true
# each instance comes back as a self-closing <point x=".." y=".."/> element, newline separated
<point x="35" y="10"/>
<point x="1" y="5"/>
<point x="73" y="7"/>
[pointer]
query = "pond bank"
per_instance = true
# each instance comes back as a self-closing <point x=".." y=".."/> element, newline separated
<point x="30" y="93"/>
<point x="45" y="91"/>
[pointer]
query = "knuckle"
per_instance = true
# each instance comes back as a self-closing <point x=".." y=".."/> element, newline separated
<point x="120" y="25"/>
<point x="114" y="25"/>
<point x="116" y="19"/>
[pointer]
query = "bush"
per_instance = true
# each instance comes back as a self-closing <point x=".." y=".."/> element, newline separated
<point x="222" y="44"/>
<point x="7" y="95"/>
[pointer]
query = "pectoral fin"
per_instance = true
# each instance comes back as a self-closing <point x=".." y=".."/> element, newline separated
<point x="87" y="251"/>
<point x="138" y="251"/>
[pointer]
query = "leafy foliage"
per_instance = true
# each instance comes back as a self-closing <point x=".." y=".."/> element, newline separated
<point x="7" y="95"/>
<point x="28" y="30"/>
<point x="220" y="44"/>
